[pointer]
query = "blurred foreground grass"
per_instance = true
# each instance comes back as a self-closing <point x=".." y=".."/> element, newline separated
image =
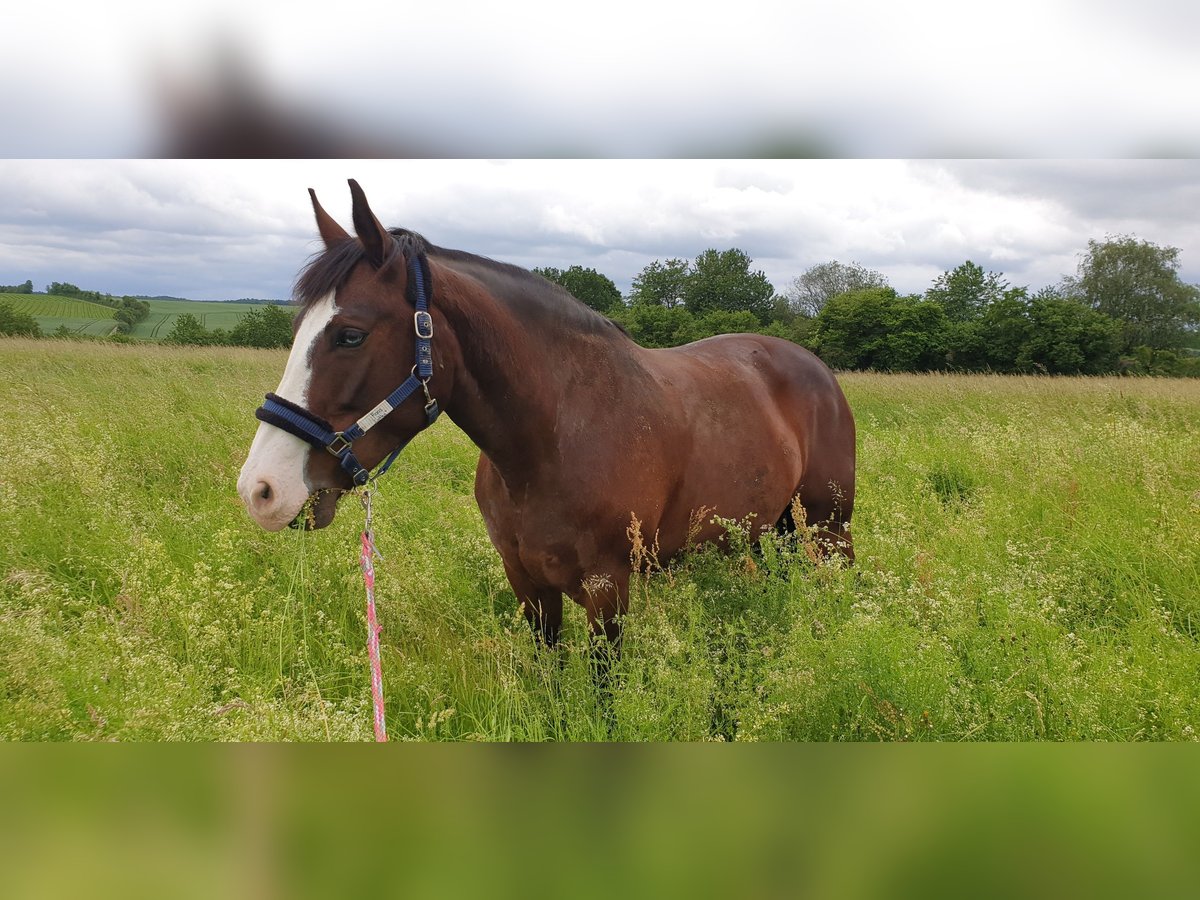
<point x="1028" y="569"/>
<point x="1025" y="821"/>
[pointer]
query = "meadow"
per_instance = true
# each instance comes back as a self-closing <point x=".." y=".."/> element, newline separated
<point x="86" y="318"/>
<point x="1028" y="569"/>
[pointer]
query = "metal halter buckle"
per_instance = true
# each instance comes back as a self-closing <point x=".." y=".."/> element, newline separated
<point x="423" y="322"/>
<point x="333" y="447"/>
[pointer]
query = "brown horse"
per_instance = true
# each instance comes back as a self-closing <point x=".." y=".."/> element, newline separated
<point x="580" y="429"/>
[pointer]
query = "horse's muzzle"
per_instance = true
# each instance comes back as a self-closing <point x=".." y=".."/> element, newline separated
<point x="318" y="511"/>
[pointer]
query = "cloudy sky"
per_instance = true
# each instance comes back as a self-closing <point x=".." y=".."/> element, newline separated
<point x="223" y="230"/>
<point x="875" y="78"/>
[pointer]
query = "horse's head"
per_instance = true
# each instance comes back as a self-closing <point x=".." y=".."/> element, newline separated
<point x="356" y="339"/>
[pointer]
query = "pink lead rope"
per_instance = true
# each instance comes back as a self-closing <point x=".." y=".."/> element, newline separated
<point x="373" y="629"/>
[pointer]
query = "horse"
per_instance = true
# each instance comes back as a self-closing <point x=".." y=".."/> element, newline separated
<point x="587" y="440"/>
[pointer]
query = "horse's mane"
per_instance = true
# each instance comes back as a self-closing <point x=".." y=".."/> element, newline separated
<point x="527" y="293"/>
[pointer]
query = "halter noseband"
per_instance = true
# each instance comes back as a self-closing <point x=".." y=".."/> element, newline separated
<point x="311" y="428"/>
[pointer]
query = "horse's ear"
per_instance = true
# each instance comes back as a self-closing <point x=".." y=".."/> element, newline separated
<point x="331" y="231"/>
<point x="375" y="238"/>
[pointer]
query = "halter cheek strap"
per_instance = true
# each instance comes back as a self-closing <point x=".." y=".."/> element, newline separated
<point x="309" y="427"/>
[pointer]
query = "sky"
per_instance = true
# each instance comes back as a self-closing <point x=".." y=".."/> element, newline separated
<point x="627" y="78"/>
<point x="214" y="230"/>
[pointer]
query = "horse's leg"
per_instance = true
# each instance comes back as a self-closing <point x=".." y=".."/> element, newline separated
<point x="828" y="505"/>
<point x="544" y="611"/>
<point x="543" y="607"/>
<point x="606" y="600"/>
<point x="787" y="523"/>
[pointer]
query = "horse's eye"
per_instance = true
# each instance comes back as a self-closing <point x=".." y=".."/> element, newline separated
<point x="350" y="337"/>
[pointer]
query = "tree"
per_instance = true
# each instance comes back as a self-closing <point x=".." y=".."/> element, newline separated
<point x="586" y="285"/>
<point x="187" y="330"/>
<point x="1067" y="338"/>
<point x="17" y="323"/>
<point x="268" y="327"/>
<point x="652" y="325"/>
<point x="24" y="288"/>
<point x="1147" y="361"/>
<point x="876" y="328"/>
<point x="661" y="284"/>
<point x="722" y="321"/>
<point x="722" y="280"/>
<point x="966" y="291"/>
<point x="1002" y="331"/>
<point x="819" y="284"/>
<point x="130" y="312"/>
<point x="1137" y="283"/>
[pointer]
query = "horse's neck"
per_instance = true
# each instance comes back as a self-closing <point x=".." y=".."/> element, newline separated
<point x="516" y="375"/>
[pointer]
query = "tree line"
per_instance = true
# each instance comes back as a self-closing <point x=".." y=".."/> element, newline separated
<point x="66" y="289"/>
<point x="129" y="312"/>
<point x="1125" y="310"/>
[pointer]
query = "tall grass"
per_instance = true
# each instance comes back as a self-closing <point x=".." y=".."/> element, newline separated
<point x="1028" y="568"/>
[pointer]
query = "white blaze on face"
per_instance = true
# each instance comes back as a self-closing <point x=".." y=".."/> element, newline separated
<point x="272" y="483"/>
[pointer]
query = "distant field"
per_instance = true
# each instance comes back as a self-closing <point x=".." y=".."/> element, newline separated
<point x="212" y="316"/>
<point x="50" y="311"/>
<point x="84" y="317"/>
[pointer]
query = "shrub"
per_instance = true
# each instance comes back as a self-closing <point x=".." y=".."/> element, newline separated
<point x="1068" y="338"/>
<point x="17" y="323"/>
<point x="876" y="328"/>
<point x="270" y="326"/>
<point x="657" y="326"/>
<point x="188" y="330"/>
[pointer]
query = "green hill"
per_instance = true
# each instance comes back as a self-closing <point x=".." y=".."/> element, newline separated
<point x="86" y="318"/>
<point x="51" y="311"/>
<point x="212" y="315"/>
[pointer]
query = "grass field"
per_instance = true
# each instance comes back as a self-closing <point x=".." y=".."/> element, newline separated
<point x="84" y="317"/>
<point x="1028" y="568"/>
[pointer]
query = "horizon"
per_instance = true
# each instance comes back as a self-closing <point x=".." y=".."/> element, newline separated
<point x="215" y="230"/>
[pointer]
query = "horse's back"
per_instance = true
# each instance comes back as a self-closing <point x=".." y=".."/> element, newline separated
<point x="783" y="376"/>
<point x="734" y="348"/>
<point x="765" y="420"/>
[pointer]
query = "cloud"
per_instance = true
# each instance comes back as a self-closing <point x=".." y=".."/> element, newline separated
<point x="634" y="79"/>
<point x="225" y="229"/>
<point x="1078" y="200"/>
<point x="1161" y="190"/>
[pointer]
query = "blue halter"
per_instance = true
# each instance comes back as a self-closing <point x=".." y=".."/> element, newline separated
<point x="297" y="420"/>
